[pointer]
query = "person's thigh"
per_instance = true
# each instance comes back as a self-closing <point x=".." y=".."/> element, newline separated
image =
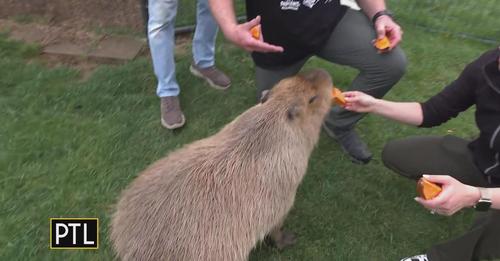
<point x="267" y="78"/>
<point x="480" y="242"/>
<point x="351" y="44"/>
<point x="162" y="13"/>
<point x="434" y="155"/>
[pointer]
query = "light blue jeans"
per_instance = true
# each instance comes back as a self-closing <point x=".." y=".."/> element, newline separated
<point x="161" y="26"/>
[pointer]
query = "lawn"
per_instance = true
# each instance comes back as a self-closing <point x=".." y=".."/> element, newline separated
<point x="68" y="147"/>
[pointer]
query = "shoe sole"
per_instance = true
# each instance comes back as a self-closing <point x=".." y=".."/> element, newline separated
<point x="210" y="82"/>
<point x="353" y="159"/>
<point x="173" y="126"/>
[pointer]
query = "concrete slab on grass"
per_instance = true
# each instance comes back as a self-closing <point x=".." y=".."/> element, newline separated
<point x="117" y="47"/>
<point x="66" y="48"/>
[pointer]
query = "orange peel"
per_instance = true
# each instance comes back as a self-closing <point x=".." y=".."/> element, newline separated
<point x="255" y="31"/>
<point x="382" y="44"/>
<point x="338" y="97"/>
<point x="428" y="190"/>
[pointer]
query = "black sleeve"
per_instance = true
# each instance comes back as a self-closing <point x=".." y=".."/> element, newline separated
<point x="455" y="98"/>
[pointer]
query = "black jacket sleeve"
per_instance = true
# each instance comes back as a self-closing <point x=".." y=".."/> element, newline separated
<point x="455" y="98"/>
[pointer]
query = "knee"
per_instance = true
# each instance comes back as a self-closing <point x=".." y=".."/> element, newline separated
<point x="203" y="7"/>
<point x="386" y="71"/>
<point x="394" y="157"/>
<point x="395" y="65"/>
<point x="161" y="15"/>
<point x="389" y="154"/>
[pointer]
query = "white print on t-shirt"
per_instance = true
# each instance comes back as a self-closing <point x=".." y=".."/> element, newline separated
<point x="349" y="3"/>
<point x="290" y="5"/>
<point x="309" y="3"/>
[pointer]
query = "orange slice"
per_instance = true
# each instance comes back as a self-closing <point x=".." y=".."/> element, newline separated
<point x="338" y="97"/>
<point x="255" y="31"/>
<point x="382" y="44"/>
<point x="428" y="190"/>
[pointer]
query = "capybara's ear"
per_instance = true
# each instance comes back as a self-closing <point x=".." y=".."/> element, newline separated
<point x="293" y="111"/>
<point x="264" y="96"/>
<point x="318" y="76"/>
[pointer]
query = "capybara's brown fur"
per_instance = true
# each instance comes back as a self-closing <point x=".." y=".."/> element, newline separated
<point x="215" y="198"/>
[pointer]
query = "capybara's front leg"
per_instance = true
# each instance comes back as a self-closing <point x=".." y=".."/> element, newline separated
<point x="282" y="238"/>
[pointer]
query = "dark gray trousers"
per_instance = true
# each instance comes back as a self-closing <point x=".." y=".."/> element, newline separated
<point x="449" y="155"/>
<point x="349" y="44"/>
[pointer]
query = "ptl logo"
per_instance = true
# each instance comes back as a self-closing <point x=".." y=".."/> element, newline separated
<point x="74" y="233"/>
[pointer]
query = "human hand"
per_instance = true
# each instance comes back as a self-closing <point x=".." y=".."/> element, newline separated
<point x="359" y="101"/>
<point x="240" y="34"/>
<point x="385" y="26"/>
<point x="454" y="197"/>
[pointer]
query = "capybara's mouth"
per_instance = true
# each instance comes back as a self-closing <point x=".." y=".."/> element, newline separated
<point x="338" y="97"/>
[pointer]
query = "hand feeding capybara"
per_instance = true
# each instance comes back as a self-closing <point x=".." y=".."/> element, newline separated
<point x="215" y="198"/>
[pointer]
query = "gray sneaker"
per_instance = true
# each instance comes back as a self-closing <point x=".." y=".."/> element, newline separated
<point x="171" y="114"/>
<point x="216" y="78"/>
<point x="351" y="144"/>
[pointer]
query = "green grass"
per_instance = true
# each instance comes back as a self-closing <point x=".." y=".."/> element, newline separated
<point x="186" y="11"/>
<point x="67" y="149"/>
<point x="472" y="18"/>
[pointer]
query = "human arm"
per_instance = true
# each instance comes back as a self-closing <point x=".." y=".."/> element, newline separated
<point x="405" y="112"/>
<point x="239" y="34"/>
<point x="455" y="196"/>
<point x="384" y="25"/>
<point x="453" y="99"/>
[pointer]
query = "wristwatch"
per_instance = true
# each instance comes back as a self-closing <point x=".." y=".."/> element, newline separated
<point x="484" y="202"/>
<point x="382" y="13"/>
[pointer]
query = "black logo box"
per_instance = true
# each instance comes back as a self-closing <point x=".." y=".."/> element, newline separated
<point x="74" y="233"/>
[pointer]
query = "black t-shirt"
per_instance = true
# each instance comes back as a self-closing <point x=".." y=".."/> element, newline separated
<point x="479" y="85"/>
<point x="301" y="27"/>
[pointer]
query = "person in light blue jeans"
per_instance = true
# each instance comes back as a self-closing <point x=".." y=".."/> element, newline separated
<point x="161" y="36"/>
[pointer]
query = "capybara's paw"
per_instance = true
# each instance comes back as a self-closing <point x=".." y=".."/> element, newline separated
<point x="282" y="239"/>
<point x="288" y="238"/>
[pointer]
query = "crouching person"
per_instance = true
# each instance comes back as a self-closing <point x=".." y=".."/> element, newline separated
<point x="473" y="166"/>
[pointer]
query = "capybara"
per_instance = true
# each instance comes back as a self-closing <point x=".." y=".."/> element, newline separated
<point x="214" y="199"/>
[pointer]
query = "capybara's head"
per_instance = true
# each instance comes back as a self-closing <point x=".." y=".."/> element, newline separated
<point x="302" y="100"/>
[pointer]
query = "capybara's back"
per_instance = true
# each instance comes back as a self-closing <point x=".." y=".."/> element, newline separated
<point x="214" y="199"/>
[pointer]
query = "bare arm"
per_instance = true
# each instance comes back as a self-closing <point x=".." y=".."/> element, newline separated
<point x="223" y="12"/>
<point x="495" y="198"/>
<point x="371" y="7"/>
<point x="239" y="34"/>
<point x="405" y="112"/>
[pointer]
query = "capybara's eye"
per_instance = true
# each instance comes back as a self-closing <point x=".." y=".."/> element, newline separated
<point x="312" y="99"/>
